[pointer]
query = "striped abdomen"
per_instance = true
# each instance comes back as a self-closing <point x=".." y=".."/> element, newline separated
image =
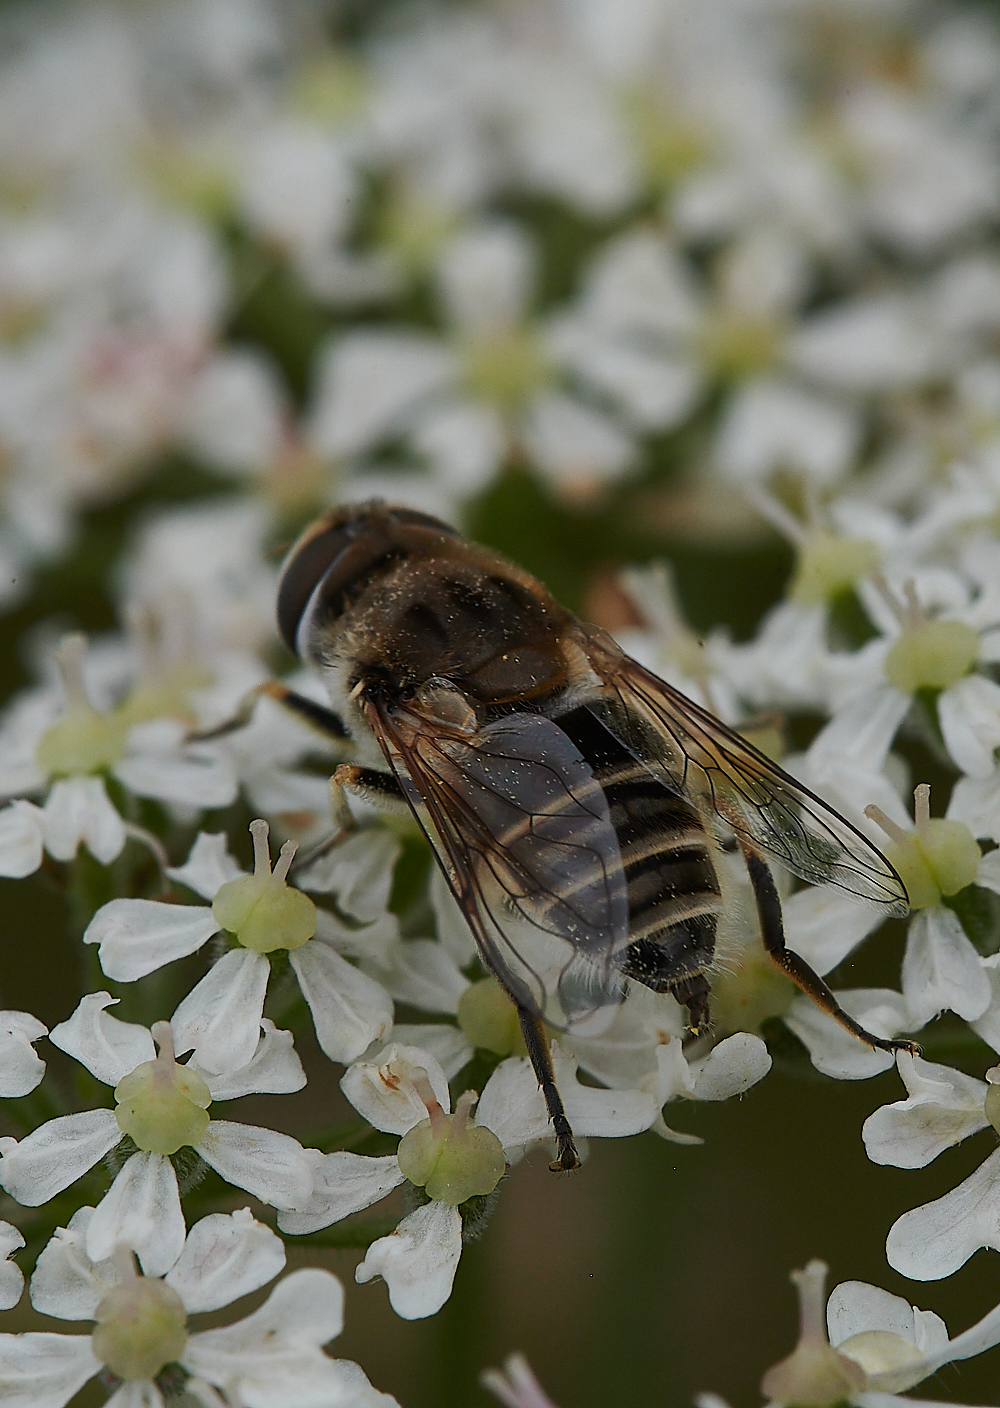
<point x="674" y="896"/>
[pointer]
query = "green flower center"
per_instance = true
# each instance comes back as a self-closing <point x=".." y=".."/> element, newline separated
<point x="828" y="565"/>
<point x="505" y="368"/>
<point x="450" y="1158"/>
<point x="937" y="858"/>
<point x="932" y="655"/>
<point x="262" y="910"/>
<point x="737" y="346"/>
<point x="162" y="1106"/>
<point x="82" y="740"/>
<point x="489" y="1019"/>
<point x="141" y="1327"/>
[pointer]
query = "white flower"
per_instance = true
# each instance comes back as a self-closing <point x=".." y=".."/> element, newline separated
<point x="396" y="1091"/>
<point x="220" y="1017"/>
<point x="142" y="1324"/>
<point x="11" y="1277"/>
<point x="162" y="1107"/>
<point x="879" y="1346"/>
<point x="65" y="754"/>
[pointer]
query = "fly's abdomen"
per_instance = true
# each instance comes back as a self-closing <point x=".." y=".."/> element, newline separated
<point x="674" y="896"/>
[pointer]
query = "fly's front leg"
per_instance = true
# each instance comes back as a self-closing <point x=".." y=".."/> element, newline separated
<point x="323" y="720"/>
<point x="541" y="1059"/>
<point x="772" y="931"/>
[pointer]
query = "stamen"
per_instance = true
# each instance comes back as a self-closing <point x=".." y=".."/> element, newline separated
<point x="776" y="514"/>
<point x="259" y="830"/>
<point x="68" y="657"/>
<point x="163" y="1034"/>
<point x="915" y="613"/>
<point x="285" y="858"/>
<point x="897" y="608"/>
<point x="922" y="809"/>
<point x="894" y="832"/>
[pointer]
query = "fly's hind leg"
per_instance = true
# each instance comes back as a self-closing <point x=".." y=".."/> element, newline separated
<point x="693" y="993"/>
<point x="541" y="1059"/>
<point x="772" y="932"/>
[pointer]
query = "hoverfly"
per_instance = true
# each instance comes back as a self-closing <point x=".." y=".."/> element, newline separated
<point x="575" y="803"/>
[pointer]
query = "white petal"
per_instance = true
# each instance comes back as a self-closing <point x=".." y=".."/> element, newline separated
<point x="945" y="1107"/>
<point x="21" y="834"/>
<point x="273" y="1356"/>
<point x="220" y="1017"/>
<point x="855" y="1307"/>
<point x="730" y="1068"/>
<point x="422" y="973"/>
<point x="870" y="344"/>
<point x="345" y="1183"/>
<point x="110" y="1049"/>
<point x="175" y="776"/>
<point x="56" y="1154"/>
<point x="137" y="1394"/>
<point x="139" y="936"/>
<point x="941" y="969"/>
<point x="969" y="713"/>
<point x="513" y="1107"/>
<point x="20" y="1068"/>
<point x="418" y="1261"/>
<point x="369" y="384"/>
<point x="824" y="925"/>
<point x="44" y="1371"/>
<point x="142" y="1208"/>
<point x="349" y="1009"/>
<point x="381" y="1089"/>
<point x="274" y="1068"/>
<point x="66" y="1282"/>
<point x="209" y="865"/>
<point x="988" y="1025"/>
<point x="485" y="277"/>
<point x="835" y="1051"/>
<point x="77" y="809"/>
<point x="373" y="943"/>
<point x="11" y="1275"/>
<point x="976" y="801"/>
<point x="574" y="444"/>
<point x="464" y="444"/>
<point x="450" y="924"/>
<point x="772" y="425"/>
<point x="226" y="1255"/>
<point x="358" y="871"/>
<point x="446" y="1044"/>
<point x="658" y="390"/>
<point x="935" y="1240"/>
<point x="273" y="1167"/>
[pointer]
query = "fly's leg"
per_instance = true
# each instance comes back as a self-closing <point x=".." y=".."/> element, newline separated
<point x="324" y="720"/>
<point x="541" y="1059"/>
<point x="772" y="931"/>
<point x="693" y="993"/>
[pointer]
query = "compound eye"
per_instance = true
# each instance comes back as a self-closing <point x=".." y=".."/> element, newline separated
<point x="305" y="566"/>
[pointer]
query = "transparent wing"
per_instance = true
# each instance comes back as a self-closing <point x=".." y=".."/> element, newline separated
<point x="524" y="837"/>
<point x="705" y="759"/>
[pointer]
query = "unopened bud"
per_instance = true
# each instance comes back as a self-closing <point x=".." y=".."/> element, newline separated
<point x="451" y="1159"/>
<point x="140" y="1327"/>
<point x="262" y="909"/>
<point x="814" y="1375"/>
<point x="163" y="1106"/>
<point x="489" y="1019"/>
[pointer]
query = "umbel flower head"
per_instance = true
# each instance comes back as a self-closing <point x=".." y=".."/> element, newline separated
<point x="142" y="1344"/>
<point x="162" y="1107"/>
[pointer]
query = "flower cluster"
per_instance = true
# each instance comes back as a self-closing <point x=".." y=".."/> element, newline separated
<point x="649" y="273"/>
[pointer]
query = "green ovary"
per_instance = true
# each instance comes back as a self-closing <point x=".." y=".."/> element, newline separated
<point x="264" y="913"/>
<point x="932" y="655"/>
<point x="81" y="741"/>
<point x="505" y="369"/>
<point x="162" y="1106"/>
<point x="140" y="1329"/>
<point x="941" y="858"/>
<point x="828" y="565"/>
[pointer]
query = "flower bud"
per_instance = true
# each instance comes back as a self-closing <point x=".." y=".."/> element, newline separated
<point x="451" y="1159"/>
<point x="261" y="909"/>
<point x="828" y="564"/>
<point x="162" y="1106"/>
<point x="932" y="655"/>
<point x="140" y="1327"/>
<point x="82" y="740"/>
<point x="489" y="1019"/>
<point x="814" y="1375"/>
